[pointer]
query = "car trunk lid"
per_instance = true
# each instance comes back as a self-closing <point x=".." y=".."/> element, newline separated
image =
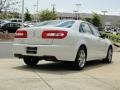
<point x="40" y="35"/>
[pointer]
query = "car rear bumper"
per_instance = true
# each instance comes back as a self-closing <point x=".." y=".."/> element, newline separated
<point x="60" y="52"/>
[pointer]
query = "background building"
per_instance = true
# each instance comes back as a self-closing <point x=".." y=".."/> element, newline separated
<point x="107" y="20"/>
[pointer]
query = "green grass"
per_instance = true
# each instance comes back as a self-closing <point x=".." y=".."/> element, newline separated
<point x="112" y="37"/>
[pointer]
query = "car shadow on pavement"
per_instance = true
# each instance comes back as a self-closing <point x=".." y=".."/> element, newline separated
<point x="61" y="67"/>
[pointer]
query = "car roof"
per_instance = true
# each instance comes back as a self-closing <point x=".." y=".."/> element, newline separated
<point x="13" y="22"/>
<point x="10" y="22"/>
<point x="69" y="20"/>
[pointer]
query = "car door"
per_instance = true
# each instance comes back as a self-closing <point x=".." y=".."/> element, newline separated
<point x="11" y="27"/>
<point x="16" y="26"/>
<point x="6" y="27"/>
<point x="91" y="41"/>
<point x="102" y="45"/>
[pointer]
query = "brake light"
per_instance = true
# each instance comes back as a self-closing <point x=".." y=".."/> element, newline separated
<point x="54" y="34"/>
<point x="21" y="34"/>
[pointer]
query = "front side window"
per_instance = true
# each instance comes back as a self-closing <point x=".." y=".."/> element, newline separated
<point x="11" y="25"/>
<point x="7" y="25"/>
<point x="85" y="28"/>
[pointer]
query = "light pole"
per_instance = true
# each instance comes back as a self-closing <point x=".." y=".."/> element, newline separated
<point x="37" y="6"/>
<point x="78" y="8"/>
<point x="53" y="5"/>
<point x="76" y="16"/>
<point x="104" y="13"/>
<point x="22" y="13"/>
<point x="35" y="12"/>
<point x="19" y="11"/>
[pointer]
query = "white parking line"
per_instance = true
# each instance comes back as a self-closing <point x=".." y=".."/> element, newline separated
<point x="5" y="42"/>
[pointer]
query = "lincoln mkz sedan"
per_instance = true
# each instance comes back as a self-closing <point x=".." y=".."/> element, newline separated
<point x="62" y="40"/>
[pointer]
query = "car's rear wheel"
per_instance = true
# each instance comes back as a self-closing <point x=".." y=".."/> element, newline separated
<point x="108" y="59"/>
<point x="81" y="59"/>
<point x="30" y="61"/>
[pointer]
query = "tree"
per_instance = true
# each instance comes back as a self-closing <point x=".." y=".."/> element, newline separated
<point x="96" y="20"/>
<point x="2" y="15"/>
<point x="6" y="4"/>
<point x="8" y="9"/>
<point x="47" y="15"/>
<point x="27" y="16"/>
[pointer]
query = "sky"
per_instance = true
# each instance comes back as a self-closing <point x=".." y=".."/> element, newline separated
<point x="87" y="6"/>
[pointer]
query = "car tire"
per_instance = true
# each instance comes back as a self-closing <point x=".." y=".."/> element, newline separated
<point x="1" y="31"/>
<point x="108" y="59"/>
<point x="80" y="59"/>
<point x="30" y="61"/>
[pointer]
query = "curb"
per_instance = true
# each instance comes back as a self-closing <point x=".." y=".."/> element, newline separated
<point x="116" y="44"/>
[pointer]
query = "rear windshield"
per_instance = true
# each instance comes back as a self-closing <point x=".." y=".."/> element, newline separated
<point x="48" y="23"/>
<point x="56" y="23"/>
<point x="66" y="24"/>
<point x="13" y="20"/>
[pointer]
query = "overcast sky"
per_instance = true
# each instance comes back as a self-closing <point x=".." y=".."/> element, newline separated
<point x="112" y="6"/>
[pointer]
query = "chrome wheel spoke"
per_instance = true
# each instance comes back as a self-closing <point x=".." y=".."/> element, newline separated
<point x="81" y="59"/>
<point x="110" y="55"/>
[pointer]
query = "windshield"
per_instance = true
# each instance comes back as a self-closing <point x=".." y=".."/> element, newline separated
<point x="56" y="23"/>
<point x="2" y="24"/>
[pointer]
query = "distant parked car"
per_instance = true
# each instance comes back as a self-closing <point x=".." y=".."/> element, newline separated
<point x="16" y="20"/>
<point x="28" y="24"/>
<point x="118" y="32"/>
<point x="9" y="27"/>
<point x="68" y="40"/>
<point x="3" y="21"/>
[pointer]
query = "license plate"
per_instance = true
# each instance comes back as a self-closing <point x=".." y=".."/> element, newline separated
<point x="31" y="50"/>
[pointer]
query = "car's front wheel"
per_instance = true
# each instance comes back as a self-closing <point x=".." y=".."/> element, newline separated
<point x="81" y="59"/>
<point x="108" y="59"/>
<point x="30" y="61"/>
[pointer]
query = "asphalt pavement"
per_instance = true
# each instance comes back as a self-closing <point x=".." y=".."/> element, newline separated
<point x="6" y="49"/>
<point x="15" y="75"/>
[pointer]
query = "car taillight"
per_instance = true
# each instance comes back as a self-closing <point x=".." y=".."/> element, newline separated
<point x="21" y="34"/>
<point x="54" y="34"/>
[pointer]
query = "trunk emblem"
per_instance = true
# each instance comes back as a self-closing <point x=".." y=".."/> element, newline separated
<point x="34" y="33"/>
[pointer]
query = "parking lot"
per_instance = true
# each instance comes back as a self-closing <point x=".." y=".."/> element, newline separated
<point x="14" y="75"/>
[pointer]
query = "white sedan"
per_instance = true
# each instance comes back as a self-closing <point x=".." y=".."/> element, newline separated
<point x="62" y="40"/>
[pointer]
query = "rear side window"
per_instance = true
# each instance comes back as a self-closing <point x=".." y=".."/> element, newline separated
<point x="13" y="20"/>
<point x="85" y="28"/>
<point x="95" y="31"/>
<point x="19" y="21"/>
<point x="16" y="25"/>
